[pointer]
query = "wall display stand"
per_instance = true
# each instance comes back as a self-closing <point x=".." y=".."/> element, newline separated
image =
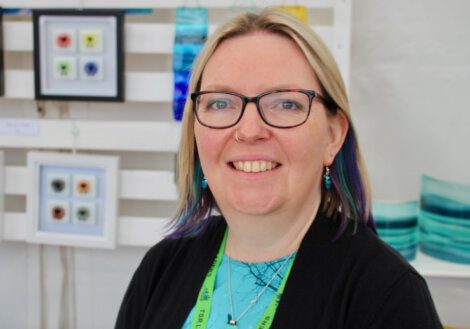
<point x="72" y="199"/>
<point x="79" y="54"/>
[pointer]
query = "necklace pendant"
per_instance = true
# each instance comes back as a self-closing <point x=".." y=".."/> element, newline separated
<point x="232" y="323"/>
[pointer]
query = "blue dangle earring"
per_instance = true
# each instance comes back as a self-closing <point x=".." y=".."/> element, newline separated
<point x="327" y="178"/>
<point x="204" y="183"/>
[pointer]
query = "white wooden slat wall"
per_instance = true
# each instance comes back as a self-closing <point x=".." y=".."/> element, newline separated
<point x="146" y="42"/>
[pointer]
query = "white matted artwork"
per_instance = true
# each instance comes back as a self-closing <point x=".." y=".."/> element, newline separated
<point x="2" y="193"/>
<point x="72" y="200"/>
<point x="78" y="54"/>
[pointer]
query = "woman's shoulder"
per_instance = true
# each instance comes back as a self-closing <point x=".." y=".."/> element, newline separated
<point x="170" y="262"/>
<point x="358" y="272"/>
<point x="392" y="291"/>
<point x="366" y="245"/>
<point x="357" y="256"/>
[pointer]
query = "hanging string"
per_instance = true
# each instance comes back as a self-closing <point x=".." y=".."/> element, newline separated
<point x="67" y="313"/>
<point x="75" y="132"/>
<point x="64" y="305"/>
<point x="42" y="290"/>
<point x="73" y="293"/>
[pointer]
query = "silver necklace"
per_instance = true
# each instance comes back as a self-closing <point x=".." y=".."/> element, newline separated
<point x="233" y="321"/>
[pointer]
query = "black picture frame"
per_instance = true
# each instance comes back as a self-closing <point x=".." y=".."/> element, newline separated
<point x="77" y="20"/>
<point x="2" y="63"/>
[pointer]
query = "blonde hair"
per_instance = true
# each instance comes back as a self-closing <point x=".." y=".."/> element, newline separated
<point x="196" y="203"/>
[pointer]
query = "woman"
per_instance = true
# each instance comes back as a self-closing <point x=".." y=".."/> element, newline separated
<point x="268" y="143"/>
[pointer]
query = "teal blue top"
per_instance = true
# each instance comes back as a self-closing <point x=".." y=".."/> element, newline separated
<point x="247" y="280"/>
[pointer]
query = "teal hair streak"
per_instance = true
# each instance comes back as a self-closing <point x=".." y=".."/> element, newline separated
<point x="349" y="185"/>
<point x="190" y="221"/>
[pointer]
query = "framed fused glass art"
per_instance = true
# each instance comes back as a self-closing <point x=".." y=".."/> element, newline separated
<point x="2" y="76"/>
<point x="72" y="199"/>
<point x="79" y="54"/>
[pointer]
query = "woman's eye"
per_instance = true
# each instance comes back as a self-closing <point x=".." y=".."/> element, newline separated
<point x="288" y="105"/>
<point x="218" y="105"/>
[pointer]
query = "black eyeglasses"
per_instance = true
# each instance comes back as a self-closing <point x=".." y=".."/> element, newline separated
<point x="285" y="108"/>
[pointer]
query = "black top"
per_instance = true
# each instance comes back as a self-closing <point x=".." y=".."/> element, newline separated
<point x="354" y="282"/>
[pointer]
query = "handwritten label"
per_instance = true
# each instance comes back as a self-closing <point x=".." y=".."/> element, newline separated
<point x="19" y="127"/>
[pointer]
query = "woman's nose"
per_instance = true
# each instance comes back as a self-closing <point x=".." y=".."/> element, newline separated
<point x="251" y="127"/>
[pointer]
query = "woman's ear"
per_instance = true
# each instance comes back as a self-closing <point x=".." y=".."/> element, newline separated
<point x="338" y="126"/>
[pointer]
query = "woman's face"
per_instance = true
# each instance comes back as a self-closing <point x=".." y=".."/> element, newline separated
<point x="250" y="65"/>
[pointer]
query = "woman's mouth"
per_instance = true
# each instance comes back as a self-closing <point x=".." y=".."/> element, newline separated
<point x="254" y="166"/>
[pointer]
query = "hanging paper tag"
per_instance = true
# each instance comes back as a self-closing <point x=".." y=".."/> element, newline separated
<point x="298" y="11"/>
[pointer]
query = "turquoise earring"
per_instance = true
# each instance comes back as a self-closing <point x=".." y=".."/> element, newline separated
<point x="204" y="182"/>
<point x="327" y="178"/>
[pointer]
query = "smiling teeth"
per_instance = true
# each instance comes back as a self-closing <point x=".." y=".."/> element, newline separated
<point x="254" y="166"/>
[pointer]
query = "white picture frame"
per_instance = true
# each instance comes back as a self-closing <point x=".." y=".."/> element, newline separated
<point x="72" y="199"/>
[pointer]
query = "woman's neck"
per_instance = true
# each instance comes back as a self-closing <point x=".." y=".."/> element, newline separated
<point x="254" y="238"/>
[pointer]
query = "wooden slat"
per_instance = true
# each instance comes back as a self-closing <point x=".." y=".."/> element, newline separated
<point x="148" y="185"/>
<point x="140" y="231"/>
<point x="134" y="184"/>
<point x="100" y="135"/>
<point x="131" y="231"/>
<point x="156" y="3"/>
<point x="141" y="38"/>
<point x="16" y="180"/>
<point x="14" y="226"/>
<point x="140" y="86"/>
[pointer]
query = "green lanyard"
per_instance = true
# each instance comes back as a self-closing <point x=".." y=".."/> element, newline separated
<point x="204" y="300"/>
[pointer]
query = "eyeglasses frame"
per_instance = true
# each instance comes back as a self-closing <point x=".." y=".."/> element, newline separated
<point x="255" y="99"/>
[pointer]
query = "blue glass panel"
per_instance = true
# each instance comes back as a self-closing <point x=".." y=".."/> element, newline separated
<point x="191" y="32"/>
<point x="184" y="55"/>
<point x="192" y="16"/>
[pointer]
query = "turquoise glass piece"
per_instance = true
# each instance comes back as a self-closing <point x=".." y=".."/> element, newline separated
<point x="445" y="253"/>
<point x="404" y="239"/>
<point x="399" y="231"/>
<point x="397" y="225"/>
<point x="395" y="212"/>
<point x="457" y="232"/>
<point x="445" y="198"/>
<point x="409" y="253"/>
<point x="444" y="220"/>
<point x="440" y="240"/>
